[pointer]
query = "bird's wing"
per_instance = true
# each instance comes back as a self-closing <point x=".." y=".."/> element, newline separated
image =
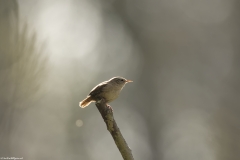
<point x="98" y="89"/>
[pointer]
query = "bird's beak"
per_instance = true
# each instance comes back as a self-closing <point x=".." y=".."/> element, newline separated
<point x="129" y="81"/>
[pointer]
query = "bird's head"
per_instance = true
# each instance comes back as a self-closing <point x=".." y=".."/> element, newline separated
<point x="119" y="81"/>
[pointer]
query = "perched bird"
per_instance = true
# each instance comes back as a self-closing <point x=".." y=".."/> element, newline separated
<point x="108" y="90"/>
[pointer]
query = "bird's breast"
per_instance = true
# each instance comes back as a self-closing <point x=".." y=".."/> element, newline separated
<point x="111" y="93"/>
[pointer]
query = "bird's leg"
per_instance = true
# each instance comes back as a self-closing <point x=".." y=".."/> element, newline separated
<point x="100" y="100"/>
<point x="109" y="107"/>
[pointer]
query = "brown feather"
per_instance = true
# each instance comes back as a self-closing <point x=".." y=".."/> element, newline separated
<point x="84" y="103"/>
<point x="98" y="89"/>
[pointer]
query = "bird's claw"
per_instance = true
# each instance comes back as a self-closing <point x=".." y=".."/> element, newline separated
<point x="109" y="107"/>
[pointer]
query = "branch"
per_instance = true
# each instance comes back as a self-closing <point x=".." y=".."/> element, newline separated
<point x="112" y="127"/>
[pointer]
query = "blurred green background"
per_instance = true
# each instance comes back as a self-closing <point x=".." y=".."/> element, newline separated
<point x="183" y="56"/>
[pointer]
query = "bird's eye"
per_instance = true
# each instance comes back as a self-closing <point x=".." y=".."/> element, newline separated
<point x="122" y="80"/>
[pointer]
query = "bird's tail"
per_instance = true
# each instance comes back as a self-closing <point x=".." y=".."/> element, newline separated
<point x="84" y="103"/>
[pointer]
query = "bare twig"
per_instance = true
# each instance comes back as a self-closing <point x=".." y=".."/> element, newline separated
<point x="112" y="127"/>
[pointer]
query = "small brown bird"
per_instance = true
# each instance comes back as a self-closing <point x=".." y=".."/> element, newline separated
<point x="109" y="90"/>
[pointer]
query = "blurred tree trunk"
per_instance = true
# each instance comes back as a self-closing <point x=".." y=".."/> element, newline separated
<point x="152" y="61"/>
<point x="226" y="120"/>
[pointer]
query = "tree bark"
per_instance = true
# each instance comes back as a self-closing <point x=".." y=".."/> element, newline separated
<point x="107" y="115"/>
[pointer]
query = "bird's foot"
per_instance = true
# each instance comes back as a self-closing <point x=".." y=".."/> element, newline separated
<point x="100" y="100"/>
<point x="109" y="107"/>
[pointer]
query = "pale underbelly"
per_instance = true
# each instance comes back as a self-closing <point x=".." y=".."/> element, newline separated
<point x="110" y="96"/>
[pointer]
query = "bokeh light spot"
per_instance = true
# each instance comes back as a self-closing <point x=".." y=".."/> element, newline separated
<point x="79" y="123"/>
